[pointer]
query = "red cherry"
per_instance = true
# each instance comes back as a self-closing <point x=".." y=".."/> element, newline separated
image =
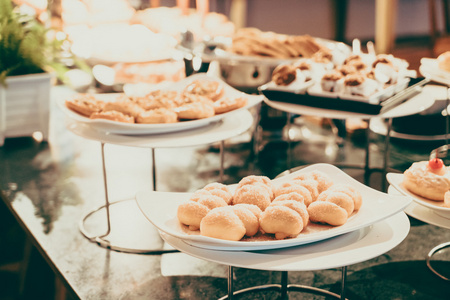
<point x="435" y="163"/>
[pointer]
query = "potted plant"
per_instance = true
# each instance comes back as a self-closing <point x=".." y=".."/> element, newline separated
<point x="27" y="56"/>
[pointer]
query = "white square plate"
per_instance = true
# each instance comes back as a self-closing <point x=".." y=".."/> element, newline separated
<point x="141" y="129"/>
<point x="161" y="209"/>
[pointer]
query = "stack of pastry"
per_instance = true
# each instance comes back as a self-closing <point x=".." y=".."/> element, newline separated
<point x="254" y="42"/>
<point x="258" y="205"/>
<point x="202" y="98"/>
<point x="360" y="75"/>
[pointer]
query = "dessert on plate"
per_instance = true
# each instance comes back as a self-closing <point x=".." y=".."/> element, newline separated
<point x="428" y="179"/>
<point x="257" y="206"/>
<point x="202" y="98"/>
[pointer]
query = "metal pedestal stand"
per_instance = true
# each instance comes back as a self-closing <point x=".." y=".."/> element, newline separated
<point x="440" y="152"/>
<point x="102" y="239"/>
<point x="284" y="287"/>
<point x="430" y="255"/>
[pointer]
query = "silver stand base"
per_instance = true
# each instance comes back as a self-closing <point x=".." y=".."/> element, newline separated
<point x="284" y="287"/>
<point x="150" y="234"/>
<point x="430" y="255"/>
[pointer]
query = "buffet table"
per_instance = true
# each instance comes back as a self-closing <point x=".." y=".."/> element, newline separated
<point x="415" y="104"/>
<point x="49" y="187"/>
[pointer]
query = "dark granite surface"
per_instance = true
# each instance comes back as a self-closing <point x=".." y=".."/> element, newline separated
<point x="50" y="186"/>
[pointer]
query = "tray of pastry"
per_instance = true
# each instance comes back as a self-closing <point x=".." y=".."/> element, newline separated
<point x="247" y="59"/>
<point x="361" y="83"/>
<point x="196" y="101"/>
<point x="313" y="204"/>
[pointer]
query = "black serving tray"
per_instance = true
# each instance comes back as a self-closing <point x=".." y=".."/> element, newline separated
<point x="303" y="98"/>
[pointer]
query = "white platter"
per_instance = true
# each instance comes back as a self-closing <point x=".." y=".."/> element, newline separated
<point x="230" y="126"/>
<point x="161" y="209"/>
<point x="422" y="213"/>
<point x="396" y="180"/>
<point x="414" y="105"/>
<point x="351" y="248"/>
<point x="429" y="68"/>
<point x="140" y="129"/>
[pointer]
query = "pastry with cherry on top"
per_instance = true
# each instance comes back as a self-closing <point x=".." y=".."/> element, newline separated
<point x="428" y="179"/>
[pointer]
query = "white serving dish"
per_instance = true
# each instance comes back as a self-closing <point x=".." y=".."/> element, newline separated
<point x="422" y="213"/>
<point x="396" y="180"/>
<point x="140" y="129"/>
<point x="161" y="209"/>
<point x="348" y="249"/>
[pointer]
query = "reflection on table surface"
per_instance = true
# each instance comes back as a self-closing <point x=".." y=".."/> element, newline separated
<point x="50" y="186"/>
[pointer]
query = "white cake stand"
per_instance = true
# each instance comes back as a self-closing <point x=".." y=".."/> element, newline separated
<point x="427" y="215"/>
<point x="413" y="105"/>
<point x="341" y="251"/>
<point x="228" y="127"/>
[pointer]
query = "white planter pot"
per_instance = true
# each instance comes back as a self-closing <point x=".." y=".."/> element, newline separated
<point x="25" y="106"/>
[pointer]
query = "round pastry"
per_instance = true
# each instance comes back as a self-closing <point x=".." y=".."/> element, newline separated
<point x="284" y="74"/>
<point x="444" y="61"/>
<point x="289" y="187"/>
<point x="220" y="190"/>
<point x="198" y="194"/>
<point x="327" y="212"/>
<point x="428" y="179"/>
<point x="249" y="215"/>
<point x="323" y="180"/>
<point x="192" y="212"/>
<point x="290" y="196"/>
<point x="255" y="194"/>
<point x="85" y="104"/>
<point x="386" y="72"/>
<point x="158" y="99"/>
<point x="281" y="221"/>
<point x="359" y="65"/>
<point x="260" y="180"/>
<point x="312" y="185"/>
<point x="349" y="190"/>
<point x="323" y="56"/>
<point x="124" y="106"/>
<point x="354" y="82"/>
<point x="112" y="115"/>
<point x="251" y="207"/>
<point x="222" y="223"/>
<point x="305" y="68"/>
<point x="346" y="69"/>
<point x="228" y="104"/>
<point x="157" y="116"/>
<point x="211" y="201"/>
<point x="352" y="57"/>
<point x="195" y="110"/>
<point x="299" y="207"/>
<point x="359" y="85"/>
<point x="342" y="199"/>
<point x="382" y="59"/>
<point x="331" y="80"/>
<point x="211" y="89"/>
